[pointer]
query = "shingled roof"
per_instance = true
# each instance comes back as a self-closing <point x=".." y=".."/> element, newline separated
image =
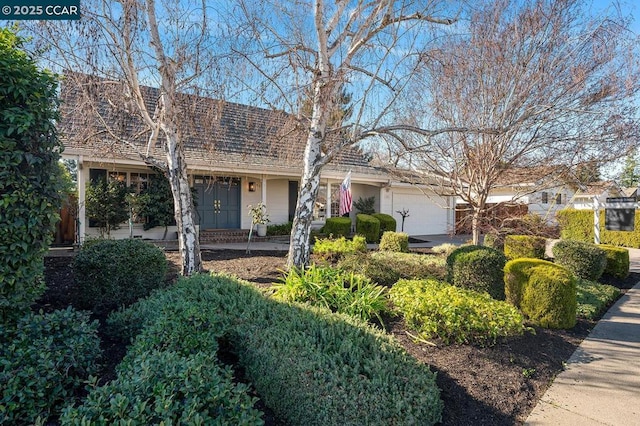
<point x="96" y="118"/>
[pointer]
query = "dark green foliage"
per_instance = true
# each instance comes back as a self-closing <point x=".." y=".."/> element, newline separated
<point x="617" y="261"/>
<point x="524" y="246"/>
<point x="584" y="260"/>
<point x="477" y="268"/>
<point x="387" y="222"/>
<point x="44" y="362"/>
<point x="544" y="292"/>
<point x="106" y="204"/>
<point x="455" y="315"/>
<point x="365" y="205"/>
<point x="386" y="267"/>
<point x="337" y="226"/>
<point x="155" y="203"/>
<point x="308" y="365"/>
<point x="394" y="241"/>
<point x="112" y="273"/>
<point x="30" y="180"/>
<point x="578" y="225"/>
<point x="164" y="387"/>
<point x="281" y="229"/>
<point x="368" y="226"/>
<point x="594" y="298"/>
<point x="333" y="249"/>
<point x="340" y="291"/>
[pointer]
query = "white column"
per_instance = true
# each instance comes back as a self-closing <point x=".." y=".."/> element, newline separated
<point x="81" y="229"/>
<point x="327" y="212"/>
<point x="263" y="189"/>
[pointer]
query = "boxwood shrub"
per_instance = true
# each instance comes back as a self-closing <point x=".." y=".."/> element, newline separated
<point x="45" y="360"/>
<point x="386" y="267"/>
<point x="387" y="222"/>
<point x="544" y="292"/>
<point x="455" y="315"/>
<point x="308" y="365"/>
<point x="337" y="226"/>
<point x="368" y="226"/>
<point x="618" y="263"/>
<point x="112" y="273"/>
<point x="332" y="249"/>
<point x="524" y="246"/>
<point x="394" y="241"/>
<point x="584" y="260"/>
<point x="477" y="268"/>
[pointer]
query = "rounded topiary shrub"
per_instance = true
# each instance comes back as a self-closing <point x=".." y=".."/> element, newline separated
<point x="387" y="222"/>
<point x="337" y="226"/>
<point x="524" y="246"/>
<point x="113" y="273"/>
<point x="368" y="226"/>
<point x="544" y="292"/>
<point x="477" y="268"/>
<point x="585" y="260"/>
<point x="394" y="241"/>
<point x="617" y="261"/>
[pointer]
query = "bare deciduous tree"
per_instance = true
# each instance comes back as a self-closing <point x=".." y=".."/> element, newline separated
<point x="322" y="48"/>
<point x="536" y="86"/>
<point x="112" y="58"/>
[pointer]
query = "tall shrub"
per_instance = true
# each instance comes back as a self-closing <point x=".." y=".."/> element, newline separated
<point x="368" y="226"/>
<point x="106" y="204"/>
<point x="578" y="225"/>
<point x="477" y="268"/>
<point x="29" y="174"/>
<point x="387" y="222"/>
<point x="337" y="226"/>
<point x="584" y="260"/>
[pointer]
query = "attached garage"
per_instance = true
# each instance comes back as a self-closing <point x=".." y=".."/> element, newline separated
<point x="429" y="214"/>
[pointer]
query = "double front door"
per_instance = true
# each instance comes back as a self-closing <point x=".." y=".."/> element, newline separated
<point x="218" y="202"/>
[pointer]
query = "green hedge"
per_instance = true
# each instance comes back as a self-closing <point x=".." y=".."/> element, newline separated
<point x="337" y="226"/>
<point x="578" y="225"/>
<point x="386" y="267"/>
<point x="368" y="226"/>
<point x="618" y="262"/>
<point x="332" y="249"/>
<point x="387" y="222"/>
<point x="584" y="260"/>
<point x="45" y="361"/>
<point x="544" y="292"/>
<point x="394" y="241"/>
<point x="308" y="365"/>
<point x="477" y="268"/>
<point x="455" y="315"/>
<point x="112" y="273"/>
<point x="524" y="246"/>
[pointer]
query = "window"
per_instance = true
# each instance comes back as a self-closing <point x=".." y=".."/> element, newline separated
<point x="558" y="198"/>
<point x="319" y="209"/>
<point x="545" y="198"/>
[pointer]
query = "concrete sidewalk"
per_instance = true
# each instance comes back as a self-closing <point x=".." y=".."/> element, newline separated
<point x="601" y="383"/>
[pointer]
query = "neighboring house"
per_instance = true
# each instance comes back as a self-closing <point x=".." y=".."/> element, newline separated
<point x="584" y="197"/>
<point x="237" y="155"/>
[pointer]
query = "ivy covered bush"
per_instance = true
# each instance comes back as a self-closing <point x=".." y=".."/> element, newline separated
<point x="524" y="246"/>
<point x="477" y="268"/>
<point x="438" y="310"/>
<point x="333" y="249"/>
<point x="369" y="227"/>
<point x="308" y="365"/>
<point x="584" y="260"/>
<point x="113" y="273"/>
<point x="45" y="360"/>
<point x="394" y="241"/>
<point x="618" y="263"/>
<point x="544" y="292"/>
<point x="337" y="226"/>
<point x="29" y="175"/>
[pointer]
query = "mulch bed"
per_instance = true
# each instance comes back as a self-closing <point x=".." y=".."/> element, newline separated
<point x="496" y="385"/>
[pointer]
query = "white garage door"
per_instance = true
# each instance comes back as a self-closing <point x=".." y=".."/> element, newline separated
<point x="427" y="215"/>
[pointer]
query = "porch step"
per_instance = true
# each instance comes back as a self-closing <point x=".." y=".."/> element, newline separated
<point x="221" y="236"/>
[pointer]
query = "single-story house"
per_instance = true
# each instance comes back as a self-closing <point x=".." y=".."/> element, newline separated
<point x="237" y="155"/>
<point x="584" y="197"/>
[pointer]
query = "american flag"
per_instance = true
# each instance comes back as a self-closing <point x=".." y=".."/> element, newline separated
<point x="345" y="195"/>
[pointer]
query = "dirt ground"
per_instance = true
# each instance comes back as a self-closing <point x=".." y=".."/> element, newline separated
<point x="498" y="385"/>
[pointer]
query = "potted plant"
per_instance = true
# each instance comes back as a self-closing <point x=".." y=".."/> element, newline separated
<point x="259" y="217"/>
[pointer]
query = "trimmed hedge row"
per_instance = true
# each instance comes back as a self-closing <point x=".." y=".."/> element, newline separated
<point x="477" y="268"/>
<point x="618" y="263"/>
<point x="578" y="225"/>
<point x="524" y="246"/>
<point x="337" y="226"/>
<point x="386" y="267"/>
<point x="308" y="365"/>
<point x="584" y="260"/>
<point x="333" y="249"/>
<point x="368" y="226"/>
<point x="387" y="222"/>
<point x="455" y="315"/>
<point x="544" y="292"/>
